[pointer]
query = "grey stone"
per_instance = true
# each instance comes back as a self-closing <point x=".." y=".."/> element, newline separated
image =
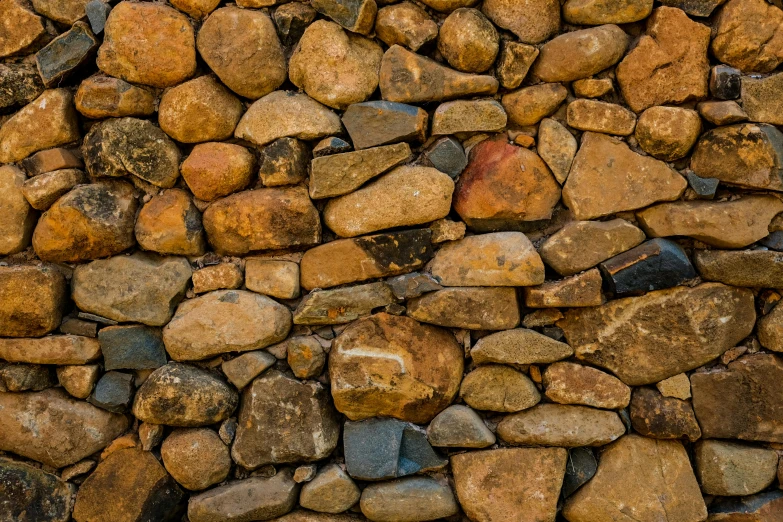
<point x="132" y="347"/>
<point x="653" y="265"/>
<point x="408" y="286"/>
<point x="342" y="305"/>
<point x="291" y="20"/>
<point x="580" y="468"/>
<point x="376" y="123"/>
<point x="28" y="494"/>
<point x="65" y="53"/>
<point x="446" y="155"/>
<point x="763" y="507"/>
<point x="774" y="241"/>
<point x="459" y="426"/>
<point x="97" y="13"/>
<point x="703" y="187"/>
<point x="411" y="499"/>
<point x="725" y="82"/>
<point x="113" y="392"/>
<point x="331" y="145"/>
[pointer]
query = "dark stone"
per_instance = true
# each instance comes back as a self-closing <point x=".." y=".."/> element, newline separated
<point x="19" y="85"/>
<point x="381" y="448"/>
<point x="283" y="162"/>
<point x="446" y="155"/>
<point x="763" y="507"/>
<point x="654" y="265"/>
<point x="398" y="251"/>
<point x="74" y="326"/>
<point x="355" y="15"/>
<point x="113" y="392"/>
<point x="27" y="377"/>
<point x="65" y="53"/>
<point x="97" y="13"/>
<point x="132" y="347"/>
<point x="701" y="8"/>
<point x="774" y="241"/>
<point x="376" y="123"/>
<point x="703" y="187"/>
<point x="291" y="20"/>
<point x="580" y="468"/>
<point x="725" y="82"/>
<point x="28" y="494"/>
<point x="412" y="285"/>
<point x="659" y="417"/>
<point x="331" y="145"/>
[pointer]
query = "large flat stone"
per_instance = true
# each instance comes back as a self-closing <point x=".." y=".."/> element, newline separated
<point x="342" y="305"/>
<point x="53" y="349"/>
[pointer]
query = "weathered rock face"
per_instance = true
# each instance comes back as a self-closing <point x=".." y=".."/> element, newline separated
<point x="529" y="105"/>
<point x="217" y="169"/>
<point x="33" y="300"/>
<point x="498" y="388"/>
<point x="571" y="383"/>
<point x="196" y="457"/>
<point x="729" y="469"/>
<point x="483" y="115"/>
<point x="598" y="116"/>
<point x="533" y="21"/>
<point x="26" y="33"/>
<point x="53" y="349"/>
<point x="659" y="417"/>
<point x="405" y="24"/>
<point x="559" y="425"/>
<point x="519" y="346"/>
<point x="30" y="494"/>
<point x="577" y="291"/>
<point x="580" y="54"/>
<point x="748" y="35"/>
<point x="759" y="100"/>
<point x="668" y="133"/>
<point x="468" y="41"/>
<point x="596" y="12"/>
<point x="394" y="366"/>
<point x="398" y="500"/>
<point x="632" y="337"/>
<point x="752" y="268"/>
<point x="107" y="97"/>
<point x="65" y="53"/>
<point x="342" y="305"/>
<point x="376" y="123"/>
<point x="472" y="308"/>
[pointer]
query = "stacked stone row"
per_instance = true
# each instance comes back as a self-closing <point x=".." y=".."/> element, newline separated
<point x="340" y="260"/>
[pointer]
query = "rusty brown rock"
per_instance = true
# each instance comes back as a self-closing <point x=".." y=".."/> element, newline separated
<point x="217" y="277"/>
<point x="357" y="16"/>
<point x="23" y="30"/>
<point x="196" y="457"/>
<point x="668" y="133"/>
<point x="495" y="387"/>
<point x="596" y="12"/>
<point x="472" y="308"/>
<point x="44" y="189"/>
<point x="580" y="54"/>
<point x="214" y="170"/>
<point x="106" y="97"/>
<point x="171" y="224"/>
<point x="447" y="6"/>
<point x="519" y="346"/>
<point x="592" y="87"/>
<point x="533" y="21"/>
<point x="598" y="116"/>
<point x="529" y="105"/>
<point x="560" y="425"/>
<point x="514" y="63"/>
<point x="343" y="305"/>
<point x="571" y="383"/>
<point x="761" y="99"/>
<point x="405" y="24"/>
<point x="197" y="9"/>
<point x="770" y="330"/>
<point x="659" y="417"/>
<point x="577" y="291"/>
<point x="50" y="160"/>
<point x="32" y="300"/>
<point x="52" y="349"/>
<point x="17" y="217"/>
<point x="468" y="41"/>
<point x="748" y="35"/>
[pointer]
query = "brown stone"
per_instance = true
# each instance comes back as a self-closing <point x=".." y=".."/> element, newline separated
<point x="241" y="46"/>
<point x="669" y="64"/>
<point x="146" y="43"/>
<point x="44" y="189"/>
<point x="17" y="217"/>
<point x="283" y="162"/>
<point x="557" y="147"/>
<point x="748" y="35"/>
<point x="64" y="11"/>
<point x="580" y="290"/>
<point x="472" y="308"/>
<point x="23" y="30"/>
<point x="197" y="9"/>
<point x="305" y="357"/>
<point x="597" y="12"/>
<point x="660" y="485"/>
<point x="529" y="105"/>
<point x="263" y="219"/>
<point x="394" y="366"/>
<point x="632" y="336"/>
<point x="608" y="177"/>
<point x="446" y="230"/>
<point x="510" y="484"/>
<point x="275" y="278"/>
<point x="725" y="224"/>
<point x="701" y="8"/>
<point x="533" y="21"/>
<point x="380" y="123"/>
<point x="770" y="330"/>
<point x="459" y="426"/>
<point x="50" y="160"/>
<point x="89" y="222"/>
<point x="571" y="383"/>
<point x="405" y="24"/>
<point x="357" y="16"/>
<point x="214" y="170"/>
<point x="505" y="184"/>
<point x="410" y="78"/>
<point x="32" y="300"/>
<point x="217" y="277"/>
<point x="20" y="84"/>
<point x="519" y="347"/>
<point x="592" y="87"/>
<point x="468" y="41"/>
<point x="331" y="491"/>
<point x="751" y="268"/>
<point x="482" y="115"/>
<point x="409" y="500"/>
<point x="678" y="387"/>
<point x="199" y="110"/>
<point x="514" y="63"/>
<point x="659" y="417"/>
<point x="542" y="317"/>
<point x="668" y="133"/>
<point x="196" y="457"/>
<point x="559" y="425"/>
<point x="171" y="224"/>
<point x="498" y="388"/>
<point x="447" y="6"/>
<point x="580" y="54"/>
<point x="761" y="98"/>
<point x="241" y="370"/>
<point x="729" y="469"/>
<point x="106" y="97"/>
<point x="342" y="305"/>
<point x="598" y="116"/>
<point x="52" y="349"/>
<point x="78" y="380"/>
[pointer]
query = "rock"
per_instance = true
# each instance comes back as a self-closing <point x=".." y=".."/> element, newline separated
<point x="764" y="507"/>
<point x="331" y="491"/>
<point x="571" y="383"/>
<point x="468" y="41"/>
<point x="631" y="336"/>
<point x="473" y="308"/>
<point x="483" y="115"/>
<point x="33" y="495"/>
<point x="331" y="145"/>
<point x="736" y="403"/>
<point x="244" y="368"/>
<point x="33" y="300"/>
<point x="333" y="66"/>
<point x="769" y="331"/>
<point x="504" y="185"/>
<point x="199" y="110"/>
<point x="446" y="230"/>
<point x="197" y="9"/>
<point x="97" y="12"/>
<point x="653" y="265"/>
<point x="339" y="174"/>
<point x="748" y="36"/>
<point x="498" y="388"/>
<point x="459" y="427"/>
<point x="129" y="147"/>
<point x="518" y="347"/>
<point x="23" y="30"/>
<point x="376" y="123"/>
<point x="726" y="224"/>
<point x="196" y="457"/>
<point x="557" y="147"/>
<point x="150" y="435"/>
<point x="542" y="317"/>
<point x="659" y="417"/>
<point x="597" y="12"/>
<point x="292" y="20"/>
<point x="106" y="97"/>
<point x="79" y="381"/>
<point x="729" y="469"/>
<point x="529" y="105"/>
<point x="236" y="44"/>
<point x="580" y="290"/>
<point x="678" y="387"/>
<point x="113" y="392"/>
<point x="217" y="277"/>
<point x="44" y="189"/>
<point x="151" y="44"/>
<point x="65" y="53"/>
<point x="283" y="162"/>
<point x="66" y="12"/>
<point x="668" y="133"/>
<point x="514" y="63"/>
<point x="65" y="431"/>
<point x="405" y="24"/>
<point x="665" y="487"/>
<point x="751" y="268"/>
<point x="182" y="395"/>
<point x="761" y="98"/>
<point x="171" y="224"/>
<point x="342" y="305"/>
<point x="306" y="357"/>
<point x="352" y="260"/>
<point x="410" y="78"/>
<point x="408" y="370"/>
<point x="580" y="468"/>
<point x="272" y="277"/>
<point x="702" y="8"/>
<point x="49" y="121"/>
<point x="598" y="116"/>
<point x="142" y="288"/>
<point x="26" y="377"/>
<point x="559" y="425"/>
<point x="408" y="500"/>
<point x="19" y="85"/>
<point x="132" y="347"/>
<point x="491" y="483"/>
<point x="533" y="21"/>
<point x="90" y="221"/>
<point x="580" y="54"/>
<point x="725" y="82"/>
<point x="446" y="155"/>
<point x="592" y="87"/>
<point x="286" y="114"/>
<point x="498" y="259"/>
<point x="254" y="498"/>
<point x="53" y="349"/>
<point x="214" y="170"/>
<point x="357" y="16"/>
<point x="609" y="164"/>
<point x="412" y="285"/>
<point x="263" y="219"/>
<point x="412" y="196"/>
<point x="104" y="495"/>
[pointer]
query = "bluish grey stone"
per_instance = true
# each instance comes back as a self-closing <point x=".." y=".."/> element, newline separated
<point x="65" y="53"/>
<point x="653" y="265"/>
<point x="97" y="13"/>
<point x="113" y="392"/>
<point x="580" y="467"/>
<point x="132" y="347"/>
<point x="774" y="241"/>
<point x="446" y="155"/>
<point x="703" y="187"/>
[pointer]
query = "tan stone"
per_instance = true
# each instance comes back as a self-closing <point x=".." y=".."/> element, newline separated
<point x="598" y="116"/>
<point x="770" y="330"/>
<point x="668" y="133"/>
<point x="214" y="170"/>
<point x="632" y="337"/>
<point x="171" y="224"/>
<point x="519" y="346"/>
<point x="197" y="9"/>
<point x="514" y="63"/>
<point x="447" y="6"/>
<point x="750" y="268"/>
<point x="331" y="491"/>
<point x="510" y="484"/>
<point x="542" y="317"/>
<point x="53" y="349"/>
<point x="580" y="290"/>
<point x="468" y="41"/>
<point x="529" y="105"/>
<point x="678" y="387"/>
<point x="472" y="308"/>
<point x="394" y="366"/>
<point x="305" y="357"/>
<point x="405" y="24"/>
<point x="106" y="97"/>
<point x="17" y="217"/>
<point x="482" y="115"/>
<point x="729" y="469"/>
<point x="725" y="224"/>
<point x="722" y="112"/>
<point x="580" y="54"/>
<point x="459" y="426"/>
<point x="571" y="383"/>
<point x="406" y="196"/>
<point x="196" y="457"/>
<point x="78" y="380"/>
<point x="748" y="35"/>
<point x="761" y="98"/>
<point x="217" y="277"/>
<point x="557" y="147"/>
<point x="23" y="30"/>
<point x="241" y="46"/>
<point x="342" y="305"/>
<point x="199" y="110"/>
<point x="498" y="388"/>
<point x="32" y="300"/>
<point x="533" y="21"/>
<point x="446" y="230"/>
<point x="408" y="500"/>
<point x="559" y="425"/>
<point x="44" y="189"/>
<point x="147" y="43"/>
<point x="64" y="11"/>
<point x="592" y="87"/>
<point x="275" y="278"/>
<point x="596" y="12"/>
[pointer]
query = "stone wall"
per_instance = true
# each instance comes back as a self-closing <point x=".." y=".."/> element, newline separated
<point x="335" y="261"/>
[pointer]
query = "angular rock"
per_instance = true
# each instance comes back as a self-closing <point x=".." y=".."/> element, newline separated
<point x="730" y="469"/>
<point x="557" y="147"/>
<point x="408" y="500"/>
<point x="217" y="169"/>
<point x="669" y="64"/>
<point x="498" y="388"/>
<point x="678" y="387"/>
<point x="668" y="133"/>
<point x="19" y="85"/>
<point x="482" y="115"/>
<point x="726" y="224"/>
<point x="446" y="230"/>
<point x="514" y="63"/>
<point x="53" y="349"/>
<point x="598" y="116"/>
<point x="223" y="276"/>
<point x="597" y="12"/>
<point x="751" y="268"/>
<point x="405" y="24"/>
<point x="764" y="507"/>
<point x="761" y="98"/>
<point x="559" y="425"/>
<point x="43" y="190"/>
<point x="26" y="377"/>
<point x="33" y="495"/>
<point x="410" y="78"/>
<point x="592" y="87"/>
<point x="33" y="301"/>
<point x="653" y="265"/>
<point x="272" y="277"/>
<point x="305" y="357"/>
<point x="702" y="8"/>
<point x="468" y="41"/>
<point x="580" y="290"/>
<point x="342" y="305"/>
<point x="580" y="468"/>
<point x="473" y="308"/>
<point x="381" y="122"/>
<point x="331" y="145"/>
<point x="97" y="12"/>
<point x="580" y="54"/>
<point x="65" y="53"/>
<point x="659" y="417"/>
<point x="132" y="347"/>
<point x="171" y="224"/>
<point x="571" y="383"/>
<point x="412" y="285"/>
<point x="246" y="367"/>
<point x="78" y="380"/>
<point x="529" y="105"/>
<point x="533" y="21"/>
<point x="608" y="177"/>
<point x="331" y="491"/>
<point x="26" y="33"/>
<point x="182" y="395"/>
<point x="446" y="155"/>
<point x="459" y="427"/>
<point x="291" y="20"/>
<point x="357" y="16"/>
<point x="770" y="330"/>
<point x="113" y="392"/>
<point x="405" y="370"/>
<point x="142" y="288"/>
<point x="283" y="162"/>
<point x="196" y="457"/>
<point x="107" y="97"/>
<point x="632" y="337"/>
<point x="64" y="11"/>
<point x="519" y="347"/>
<point x="748" y="35"/>
<point x="725" y="82"/>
